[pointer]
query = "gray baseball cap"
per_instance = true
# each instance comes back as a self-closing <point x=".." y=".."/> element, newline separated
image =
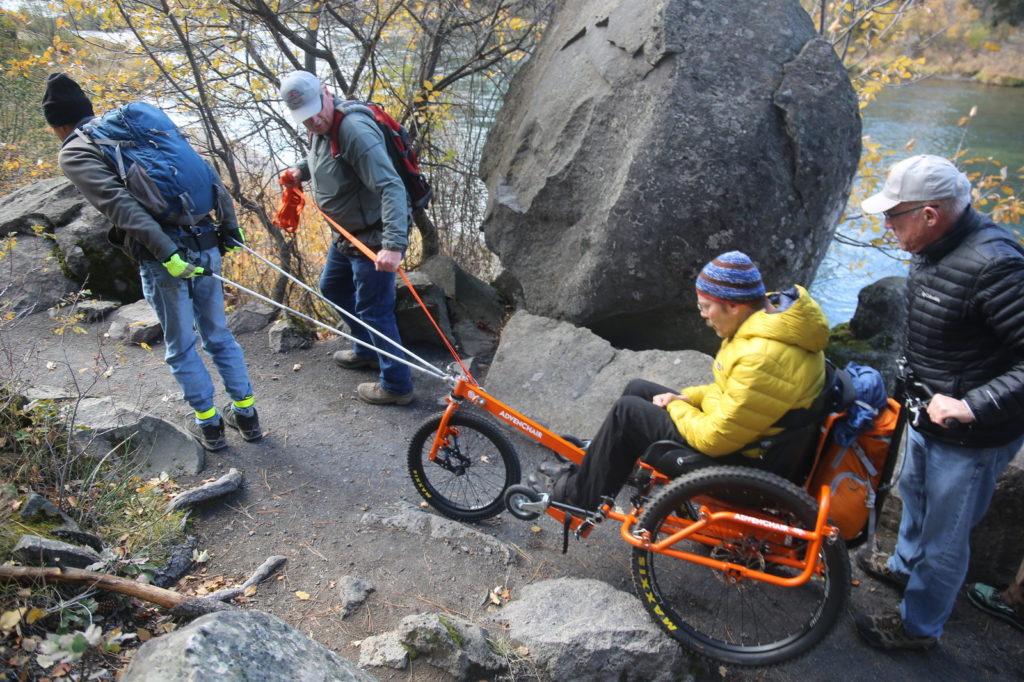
<point x="920" y="178"/>
<point x="300" y="91"/>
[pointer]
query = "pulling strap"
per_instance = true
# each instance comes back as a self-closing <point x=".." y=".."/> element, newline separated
<point x="369" y="253"/>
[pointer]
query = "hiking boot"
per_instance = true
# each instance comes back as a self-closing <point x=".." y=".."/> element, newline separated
<point x="375" y="394"/>
<point x="886" y="631"/>
<point x="210" y="436"/>
<point x="989" y="600"/>
<point x="348" y="359"/>
<point x="877" y="566"/>
<point x="249" y="426"/>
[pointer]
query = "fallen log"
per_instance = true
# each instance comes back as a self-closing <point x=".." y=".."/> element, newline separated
<point x="178" y="604"/>
<point x="228" y="483"/>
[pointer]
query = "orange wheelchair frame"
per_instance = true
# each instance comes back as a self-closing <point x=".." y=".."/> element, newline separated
<point x="740" y="543"/>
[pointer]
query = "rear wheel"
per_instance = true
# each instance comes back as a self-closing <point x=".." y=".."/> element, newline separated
<point x="725" y="616"/>
<point x="473" y="467"/>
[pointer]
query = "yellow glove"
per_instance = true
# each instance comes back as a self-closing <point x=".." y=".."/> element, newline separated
<point x="231" y="239"/>
<point x="181" y="268"/>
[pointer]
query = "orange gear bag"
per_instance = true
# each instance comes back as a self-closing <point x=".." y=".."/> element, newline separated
<point x="853" y="473"/>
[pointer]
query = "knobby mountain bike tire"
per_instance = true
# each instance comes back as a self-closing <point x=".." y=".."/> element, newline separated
<point x="474" y="466"/>
<point x="744" y="622"/>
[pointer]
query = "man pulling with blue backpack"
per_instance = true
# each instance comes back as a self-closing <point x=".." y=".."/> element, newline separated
<point x="134" y="167"/>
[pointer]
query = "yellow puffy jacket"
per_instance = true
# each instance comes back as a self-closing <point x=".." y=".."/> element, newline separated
<point x="774" y="363"/>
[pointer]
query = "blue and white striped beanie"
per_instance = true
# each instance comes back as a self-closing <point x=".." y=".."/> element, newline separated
<point x="731" y="278"/>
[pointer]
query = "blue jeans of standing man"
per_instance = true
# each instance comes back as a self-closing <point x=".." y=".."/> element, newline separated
<point x="353" y="283"/>
<point x="181" y="313"/>
<point x="946" y="490"/>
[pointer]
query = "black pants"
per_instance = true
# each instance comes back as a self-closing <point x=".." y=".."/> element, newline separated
<point x="633" y="423"/>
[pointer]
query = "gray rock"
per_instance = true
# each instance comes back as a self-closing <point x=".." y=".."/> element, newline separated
<point x="74" y="535"/>
<point x="79" y="234"/>
<point x="31" y="278"/>
<point x="286" y="334"/>
<point x="251" y="317"/>
<point x="997" y="542"/>
<point x="478" y="300"/>
<point x="157" y="445"/>
<point x="567" y="377"/>
<point x="460" y="537"/>
<point x="33" y="550"/>
<point x="136" y="323"/>
<point x="876" y="334"/>
<point x="413" y="325"/>
<point x="38" y="508"/>
<point x="587" y="631"/>
<point x="46" y="203"/>
<point x="90" y="310"/>
<point x="92" y="261"/>
<point x="238" y="646"/>
<point x="449" y="643"/>
<point x="642" y="139"/>
<point x="353" y="592"/>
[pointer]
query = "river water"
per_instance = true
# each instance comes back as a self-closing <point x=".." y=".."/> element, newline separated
<point x="928" y="112"/>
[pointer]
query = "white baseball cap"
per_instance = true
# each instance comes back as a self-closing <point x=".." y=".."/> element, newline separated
<point x="920" y="178"/>
<point x="300" y="91"/>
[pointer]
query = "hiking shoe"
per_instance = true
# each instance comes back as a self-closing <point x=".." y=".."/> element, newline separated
<point x="210" y="436"/>
<point x="886" y="631"/>
<point x="349" y="360"/>
<point x="375" y="394"/>
<point x="543" y="479"/>
<point x="989" y="600"/>
<point x="877" y="566"/>
<point x="249" y="426"/>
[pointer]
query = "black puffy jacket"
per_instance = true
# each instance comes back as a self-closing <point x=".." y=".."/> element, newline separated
<point x="965" y="328"/>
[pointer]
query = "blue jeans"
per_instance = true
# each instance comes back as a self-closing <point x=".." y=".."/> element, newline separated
<point x="354" y="284"/>
<point x="946" y="490"/>
<point x="181" y="314"/>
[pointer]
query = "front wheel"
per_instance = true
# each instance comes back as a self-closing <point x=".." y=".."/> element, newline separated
<point x="723" y="615"/>
<point x="474" y="465"/>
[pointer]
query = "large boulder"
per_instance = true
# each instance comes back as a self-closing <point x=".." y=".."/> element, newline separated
<point x="238" y="645"/>
<point x="79" y="245"/>
<point x="644" y="138"/>
<point x="877" y="333"/>
<point x="567" y="377"/>
<point x="587" y="631"/>
<point x="30" y="275"/>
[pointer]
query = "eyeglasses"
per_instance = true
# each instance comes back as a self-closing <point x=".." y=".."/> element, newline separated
<point x="889" y="215"/>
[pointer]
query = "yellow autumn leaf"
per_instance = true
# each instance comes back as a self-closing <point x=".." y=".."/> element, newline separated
<point x="991" y="47"/>
<point x="249" y="591"/>
<point x="302" y="595"/>
<point x="145" y="346"/>
<point x="34" y="614"/>
<point x="10" y="619"/>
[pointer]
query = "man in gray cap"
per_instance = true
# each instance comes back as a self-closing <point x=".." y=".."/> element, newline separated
<point x="357" y="185"/>
<point x="965" y="351"/>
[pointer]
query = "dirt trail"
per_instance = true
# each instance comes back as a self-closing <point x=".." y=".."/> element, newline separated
<point x="330" y="468"/>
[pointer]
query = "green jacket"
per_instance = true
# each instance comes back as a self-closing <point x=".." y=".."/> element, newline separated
<point x="774" y="363"/>
<point x="360" y="190"/>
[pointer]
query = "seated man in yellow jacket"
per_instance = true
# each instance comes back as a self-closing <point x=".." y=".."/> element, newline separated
<point x="771" y="361"/>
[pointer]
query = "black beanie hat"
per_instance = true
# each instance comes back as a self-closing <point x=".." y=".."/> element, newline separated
<point x="64" y="102"/>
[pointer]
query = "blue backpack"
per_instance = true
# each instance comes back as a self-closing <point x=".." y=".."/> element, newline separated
<point x="156" y="163"/>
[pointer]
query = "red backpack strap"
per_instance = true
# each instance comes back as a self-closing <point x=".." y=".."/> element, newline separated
<point x="339" y="115"/>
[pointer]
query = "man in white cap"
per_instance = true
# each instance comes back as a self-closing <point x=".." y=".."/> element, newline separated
<point x="357" y="185"/>
<point x="965" y="351"/>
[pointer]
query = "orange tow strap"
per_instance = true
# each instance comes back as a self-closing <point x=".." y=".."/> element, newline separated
<point x="289" y="208"/>
<point x="369" y="253"/>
